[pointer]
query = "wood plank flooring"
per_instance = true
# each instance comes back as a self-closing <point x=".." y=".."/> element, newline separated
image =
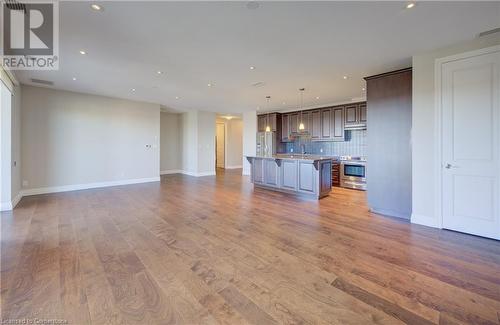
<point x="213" y="250"/>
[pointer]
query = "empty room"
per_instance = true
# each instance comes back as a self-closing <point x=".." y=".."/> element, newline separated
<point x="250" y="162"/>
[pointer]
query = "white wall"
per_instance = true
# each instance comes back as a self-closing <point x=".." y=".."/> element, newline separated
<point x="206" y="143"/>
<point x="189" y="136"/>
<point x="423" y="127"/>
<point x="198" y="143"/>
<point x="170" y="142"/>
<point x="16" y="144"/>
<point x="72" y="139"/>
<point x="234" y="142"/>
<point x="234" y="145"/>
<point x="5" y="148"/>
<point x="249" y="134"/>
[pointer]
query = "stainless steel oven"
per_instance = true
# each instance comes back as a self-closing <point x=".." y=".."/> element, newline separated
<point x="353" y="173"/>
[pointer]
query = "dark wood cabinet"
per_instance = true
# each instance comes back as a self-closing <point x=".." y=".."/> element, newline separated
<point x="294" y="122"/>
<point x="355" y="116"/>
<point x="335" y="173"/>
<point x="305" y="117"/>
<point x="338" y="123"/>
<point x="326" y="123"/>
<point x="351" y="115"/>
<point x="270" y="120"/>
<point x="362" y="113"/>
<point x="315" y="129"/>
<point x="285" y="127"/>
<point x="261" y="123"/>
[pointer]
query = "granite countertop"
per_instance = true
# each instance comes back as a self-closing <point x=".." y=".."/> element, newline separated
<point x="297" y="157"/>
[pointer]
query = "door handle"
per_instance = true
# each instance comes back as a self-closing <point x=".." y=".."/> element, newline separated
<point x="449" y="166"/>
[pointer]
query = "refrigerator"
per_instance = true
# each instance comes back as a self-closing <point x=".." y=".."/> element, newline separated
<point x="266" y="144"/>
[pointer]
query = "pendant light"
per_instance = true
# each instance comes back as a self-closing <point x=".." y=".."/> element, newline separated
<point x="268" y="127"/>
<point x="301" y="125"/>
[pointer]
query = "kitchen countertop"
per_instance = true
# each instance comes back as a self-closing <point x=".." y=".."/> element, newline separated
<point x="306" y="157"/>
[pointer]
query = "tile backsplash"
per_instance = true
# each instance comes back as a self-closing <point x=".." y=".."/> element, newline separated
<point x="354" y="145"/>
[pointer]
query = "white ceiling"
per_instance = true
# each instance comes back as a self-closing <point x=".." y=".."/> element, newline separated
<point x="290" y="44"/>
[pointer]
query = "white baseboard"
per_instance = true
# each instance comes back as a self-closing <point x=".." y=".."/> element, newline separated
<point x="424" y="220"/>
<point x="185" y="172"/>
<point x="76" y="187"/>
<point x="5" y="206"/>
<point x="390" y="213"/>
<point x="171" y="171"/>
<point x="234" y="167"/>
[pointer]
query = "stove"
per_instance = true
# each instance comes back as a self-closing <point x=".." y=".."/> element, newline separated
<point x="353" y="172"/>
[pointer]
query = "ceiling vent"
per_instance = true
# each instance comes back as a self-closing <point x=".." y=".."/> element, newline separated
<point x="489" y="32"/>
<point x="42" y="82"/>
<point x="258" y="84"/>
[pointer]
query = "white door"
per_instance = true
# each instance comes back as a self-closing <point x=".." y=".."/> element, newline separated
<point x="470" y="93"/>
<point x="220" y="145"/>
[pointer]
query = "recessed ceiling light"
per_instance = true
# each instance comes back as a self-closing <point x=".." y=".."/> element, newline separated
<point x="251" y="68"/>
<point x="74" y="78"/>
<point x="209" y="85"/>
<point x="317" y="97"/>
<point x="159" y="72"/>
<point x="410" y="5"/>
<point x="176" y="97"/>
<point x="96" y="7"/>
<point x="345" y="77"/>
<point x="82" y="52"/>
<point x="133" y="89"/>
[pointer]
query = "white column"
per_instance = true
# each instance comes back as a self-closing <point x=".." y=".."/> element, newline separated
<point x="5" y="148"/>
<point x="249" y="134"/>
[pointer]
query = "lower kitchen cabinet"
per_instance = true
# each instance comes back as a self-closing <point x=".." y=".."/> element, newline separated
<point x="271" y="172"/>
<point x="289" y="174"/>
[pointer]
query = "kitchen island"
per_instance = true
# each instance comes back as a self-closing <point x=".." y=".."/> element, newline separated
<point x="307" y="175"/>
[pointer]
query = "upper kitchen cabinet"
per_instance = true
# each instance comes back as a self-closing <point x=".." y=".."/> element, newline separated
<point x="326" y="123"/>
<point x="285" y="127"/>
<point x="294" y="122"/>
<point x="305" y="118"/>
<point x="355" y="116"/>
<point x="272" y="120"/>
<point x="261" y="123"/>
<point x="315" y="124"/>
<point x="337" y="123"/>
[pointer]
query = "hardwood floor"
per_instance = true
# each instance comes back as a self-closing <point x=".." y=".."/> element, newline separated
<point x="214" y="250"/>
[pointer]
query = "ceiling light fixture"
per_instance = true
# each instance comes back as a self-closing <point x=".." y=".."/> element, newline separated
<point x="252" y="68"/>
<point x="345" y="77"/>
<point x="74" y="78"/>
<point x="268" y="127"/>
<point x="133" y="89"/>
<point x="82" y="52"/>
<point x="410" y="5"/>
<point x="176" y="97"/>
<point x="209" y="85"/>
<point x="159" y="72"/>
<point x="301" y="125"/>
<point x="96" y="7"/>
<point x="317" y="97"/>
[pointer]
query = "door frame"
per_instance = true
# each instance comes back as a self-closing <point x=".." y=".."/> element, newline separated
<point x="438" y="125"/>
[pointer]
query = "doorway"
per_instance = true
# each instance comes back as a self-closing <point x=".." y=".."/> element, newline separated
<point x="468" y="96"/>
<point x="220" y="145"/>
